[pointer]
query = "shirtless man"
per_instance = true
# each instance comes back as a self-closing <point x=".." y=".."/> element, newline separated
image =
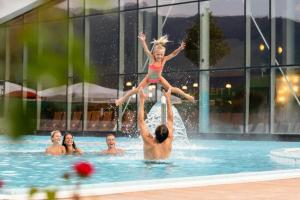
<point x="56" y="148"/>
<point x="111" y="146"/>
<point x="160" y="146"/>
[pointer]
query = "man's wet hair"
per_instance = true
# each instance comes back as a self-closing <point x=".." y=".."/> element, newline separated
<point x="110" y="134"/>
<point x="161" y="133"/>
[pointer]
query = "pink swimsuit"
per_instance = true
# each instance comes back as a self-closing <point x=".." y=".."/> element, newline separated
<point x="155" y="72"/>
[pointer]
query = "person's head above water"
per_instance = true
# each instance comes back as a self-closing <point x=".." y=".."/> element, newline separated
<point x="159" y="48"/>
<point x="110" y="141"/>
<point x="111" y="146"/>
<point x="55" y="136"/>
<point x="68" y="140"/>
<point x="161" y="133"/>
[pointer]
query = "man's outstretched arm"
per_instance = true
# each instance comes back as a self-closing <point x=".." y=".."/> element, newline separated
<point x="170" y="119"/>
<point x="141" y="121"/>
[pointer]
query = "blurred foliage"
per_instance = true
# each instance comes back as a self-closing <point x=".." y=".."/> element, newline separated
<point x="50" y="194"/>
<point x="50" y="66"/>
<point x="18" y="120"/>
<point x="32" y="191"/>
<point x="52" y="55"/>
<point x="218" y="47"/>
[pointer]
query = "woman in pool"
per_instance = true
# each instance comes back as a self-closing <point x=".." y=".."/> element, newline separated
<point x="70" y="146"/>
<point x="55" y="149"/>
<point x="157" y="62"/>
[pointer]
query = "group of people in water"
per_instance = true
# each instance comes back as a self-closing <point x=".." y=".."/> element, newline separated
<point x="68" y="146"/>
<point x="157" y="146"/>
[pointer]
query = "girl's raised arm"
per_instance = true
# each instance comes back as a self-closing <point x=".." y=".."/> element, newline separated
<point x="175" y="52"/>
<point x="142" y="38"/>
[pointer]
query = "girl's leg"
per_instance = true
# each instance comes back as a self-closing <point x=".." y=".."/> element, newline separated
<point x="142" y="84"/>
<point x="176" y="90"/>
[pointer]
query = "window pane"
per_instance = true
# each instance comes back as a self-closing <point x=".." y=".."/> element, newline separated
<point x="16" y="54"/>
<point x="128" y="119"/>
<point x="188" y="112"/>
<point x="75" y="89"/>
<point x="226" y="32"/>
<point x="128" y="4"/>
<point x="149" y="27"/>
<point x="226" y="101"/>
<point x="52" y="92"/>
<point x="286" y="106"/>
<point x="53" y="114"/>
<point x="104" y="44"/>
<point x="259" y="101"/>
<point x="104" y="6"/>
<point x="147" y="3"/>
<point x="2" y="68"/>
<point x="186" y="17"/>
<point x="287" y="16"/>
<point x="2" y="52"/>
<point x="77" y="49"/>
<point x="260" y="30"/>
<point x="29" y="65"/>
<point x="31" y="42"/>
<point x="101" y="113"/>
<point x="128" y="43"/>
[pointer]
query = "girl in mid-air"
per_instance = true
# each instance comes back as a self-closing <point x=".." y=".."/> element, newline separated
<point x="157" y="62"/>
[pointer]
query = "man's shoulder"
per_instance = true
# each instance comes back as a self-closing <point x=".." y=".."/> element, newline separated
<point x="149" y="140"/>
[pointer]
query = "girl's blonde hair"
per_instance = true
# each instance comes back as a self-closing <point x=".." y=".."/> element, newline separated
<point x="160" y="42"/>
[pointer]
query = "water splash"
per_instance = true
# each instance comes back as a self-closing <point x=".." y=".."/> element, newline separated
<point x="154" y="119"/>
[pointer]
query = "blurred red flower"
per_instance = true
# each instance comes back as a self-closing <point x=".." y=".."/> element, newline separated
<point x="83" y="169"/>
<point x="1" y="183"/>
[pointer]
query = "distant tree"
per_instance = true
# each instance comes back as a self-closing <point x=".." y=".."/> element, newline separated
<point x="218" y="46"/>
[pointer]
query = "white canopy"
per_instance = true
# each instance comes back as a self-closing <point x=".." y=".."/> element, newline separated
<point x="94" y="93"/>
<point x="13" y="87"/>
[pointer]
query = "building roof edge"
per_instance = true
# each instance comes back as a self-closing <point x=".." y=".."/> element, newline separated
<point x="23" y="10"/>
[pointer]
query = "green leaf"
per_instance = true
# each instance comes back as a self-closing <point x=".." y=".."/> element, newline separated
<point x="51" y="194"/>
<point x="32" y="191"/>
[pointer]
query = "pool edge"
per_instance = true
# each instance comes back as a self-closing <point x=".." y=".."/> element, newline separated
<point x="171" y="183"/>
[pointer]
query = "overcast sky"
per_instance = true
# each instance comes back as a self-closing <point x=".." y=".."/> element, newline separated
<point x="9" y="6"/>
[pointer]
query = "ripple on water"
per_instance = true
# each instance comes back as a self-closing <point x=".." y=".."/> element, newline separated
<point x="26" y="165"/>
<point x="8" y="173"/>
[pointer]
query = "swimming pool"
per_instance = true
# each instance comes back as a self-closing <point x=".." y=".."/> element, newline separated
<point x="24" y="164"/>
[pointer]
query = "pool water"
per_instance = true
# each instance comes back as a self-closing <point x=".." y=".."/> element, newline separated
<point x="23" y="164"/>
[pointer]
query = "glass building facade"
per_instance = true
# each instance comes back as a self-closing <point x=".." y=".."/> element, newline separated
<point x="240" y="63"/>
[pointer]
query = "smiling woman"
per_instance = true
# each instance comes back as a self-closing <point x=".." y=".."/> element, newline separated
<point x="70" y="146"/>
